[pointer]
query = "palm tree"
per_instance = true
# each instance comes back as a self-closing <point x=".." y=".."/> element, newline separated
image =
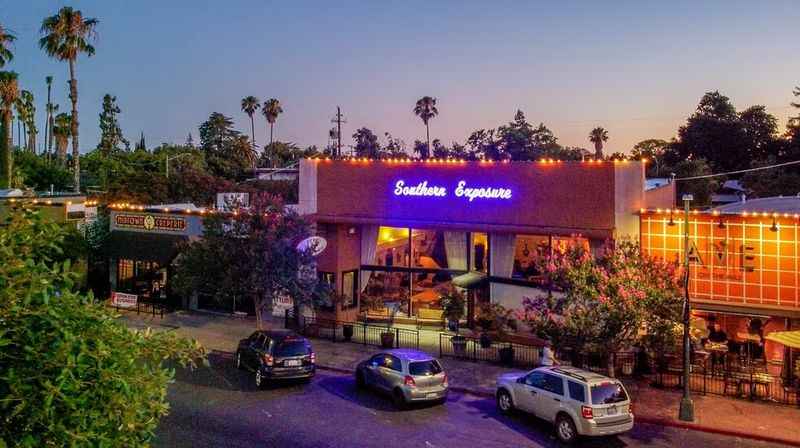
<point x="48" y="135"/>
<point x="62" y="127"/>
<point x="598" y="136"/>
<point x="53" y="108"/>
<point x="9" y="93"/>
<point x="28" y="109"/>
<point x="6" y="38"/>
<point x="22" y="117"/>
<point x="65" y="35"/>
<point x="250" y="105"/>
<point x="426" y="109"/>
<point x="271" y="109"/>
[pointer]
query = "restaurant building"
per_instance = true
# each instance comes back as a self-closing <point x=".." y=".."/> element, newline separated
<point x="744" y="269"/>
<point x="405" y="231"/>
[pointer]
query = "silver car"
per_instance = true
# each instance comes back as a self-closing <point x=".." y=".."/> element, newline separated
<point x="408" y="375"/>
<point x="578" y="402"/>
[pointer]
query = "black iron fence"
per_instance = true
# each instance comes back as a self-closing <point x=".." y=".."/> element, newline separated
<point x="356" y="332"/>
<point x="472" y="349"/>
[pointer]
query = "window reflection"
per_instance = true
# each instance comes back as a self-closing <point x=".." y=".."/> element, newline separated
<point x="480" y="252"/>
<point x="392" y="247"/>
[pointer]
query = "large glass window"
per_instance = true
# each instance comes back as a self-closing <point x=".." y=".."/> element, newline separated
<point x="479" y="247"/>
<point x="529" y="251"/>
<point x="393" y="247"/>
<point x="384" y="291"/>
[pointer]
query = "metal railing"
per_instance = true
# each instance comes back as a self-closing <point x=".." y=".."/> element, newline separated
<point x="356" y="332"/>
<point x="471" y="349"/>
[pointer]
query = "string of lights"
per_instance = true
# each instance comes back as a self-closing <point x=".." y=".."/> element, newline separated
<point x="706" y="176"/>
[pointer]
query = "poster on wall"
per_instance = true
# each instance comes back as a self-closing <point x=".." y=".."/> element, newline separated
<point x="281" y="303"/>
<point x="123" y="300"/>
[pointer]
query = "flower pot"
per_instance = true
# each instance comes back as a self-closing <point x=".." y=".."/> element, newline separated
<point x="459" y="345"/>
<point x="347" y="332"/>
<point x="387" y="340"/>
<point x="507" y="355"/>
<point x="452" y="325"/>
<point x="486" y="341"/>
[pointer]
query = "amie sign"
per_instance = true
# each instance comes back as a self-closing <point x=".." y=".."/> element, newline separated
<point x="461" y="191"/>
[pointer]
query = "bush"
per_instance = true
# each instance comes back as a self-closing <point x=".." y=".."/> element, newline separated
<point x="72" y="374"/>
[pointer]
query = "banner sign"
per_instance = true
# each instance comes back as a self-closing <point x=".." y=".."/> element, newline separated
<point x="150" y="222"/>
<point x="281" y="303"/>
<point x="123" y="300"/>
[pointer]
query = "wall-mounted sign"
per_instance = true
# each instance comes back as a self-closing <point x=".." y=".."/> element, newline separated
<point x="461" y="190"/>
<point x="232" y="201"/>
<point x="123" y="300"/>
<point x="150" y="222"/>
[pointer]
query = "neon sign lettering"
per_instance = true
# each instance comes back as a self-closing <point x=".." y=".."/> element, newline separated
<point x="461" y="191"/>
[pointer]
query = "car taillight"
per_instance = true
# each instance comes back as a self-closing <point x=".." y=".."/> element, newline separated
<point x="268" y="360"/>
<point x="409" y="381"/>
<point x="445" y="380"/>
<point x="586" y="412"/>
<point x="312" y="357"/>
<point x="630" y="408"/>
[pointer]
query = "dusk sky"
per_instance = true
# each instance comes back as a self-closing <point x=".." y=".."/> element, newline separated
<point x="636" y="68"/>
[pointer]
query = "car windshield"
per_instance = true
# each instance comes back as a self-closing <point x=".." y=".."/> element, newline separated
<point x="292" y="348"/>
<point x="607" y="393"/>
<point x="424" y="368"/>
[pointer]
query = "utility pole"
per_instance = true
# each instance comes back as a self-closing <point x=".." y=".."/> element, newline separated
<point x="686" y="412"/>
<point x="338" y="119"/>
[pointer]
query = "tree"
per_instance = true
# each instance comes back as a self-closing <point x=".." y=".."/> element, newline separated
<point x="606" y="299"/>
<point x="426" y="109"/>
<point x="598" y="136"/>
<point x="216" y="132"/>
<point x="6" y="40"/>
<point x="62" y="129"/>
<point x="367" y="144"/>
<point x="78" y="376"/>
<point x="653" y="150"/>
<point x="701" y="189"/>
<point x="65" y="36"/>
<point x="484" y="145"/>
<point x="26" y="113"/>
<point x="9" y="93"/>
<point x="37" y="173"/>
<point x="793" y="125"/>
<point x="271" y="109"/>
<point x="110" y="132"/>
<point x="250" y="255"/>
<point x="250" y="105"/>
<point x="141" y="145"/>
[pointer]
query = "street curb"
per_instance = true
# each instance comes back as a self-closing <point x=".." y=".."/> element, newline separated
<point x="649" y="420"/>
<point x="712" y="430"/>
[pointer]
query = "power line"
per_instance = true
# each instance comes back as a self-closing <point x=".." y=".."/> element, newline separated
<point x="739" y="171"/>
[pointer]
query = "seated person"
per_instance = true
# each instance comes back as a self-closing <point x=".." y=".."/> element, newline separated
<point x="717" y="336"/>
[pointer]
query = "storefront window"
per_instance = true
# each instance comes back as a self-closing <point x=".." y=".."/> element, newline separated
<point x="147" y="279"/>
<point x="349" y="289"/>
<point x="392" y="247"/>
<point x="427" y="288"/>
<point x="529" y="251"/>
<point x="480" y="252"/>
<point x="384" y="290"/>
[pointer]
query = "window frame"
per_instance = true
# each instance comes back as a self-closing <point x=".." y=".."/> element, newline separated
<point x="582" y="387"/>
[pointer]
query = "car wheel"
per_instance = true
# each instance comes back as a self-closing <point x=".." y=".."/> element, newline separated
<point x="504" y="402"/>
<point x="360" y="383"/>
<point x="238" y="360"/>
<point x="565" y="429"/>
<point x="259" y="379"/>
<point x="399" y="399"/>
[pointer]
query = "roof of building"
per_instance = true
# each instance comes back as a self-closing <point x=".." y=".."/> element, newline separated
<point x="656" y="182"/>
<point x="11" y="193"/>
<point x="777" y="204"/>
<point x="733" y="184"/>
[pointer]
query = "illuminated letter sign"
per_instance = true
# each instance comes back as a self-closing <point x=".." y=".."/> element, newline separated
<point x="150" y="222"/>
<point x="462" y="190"/>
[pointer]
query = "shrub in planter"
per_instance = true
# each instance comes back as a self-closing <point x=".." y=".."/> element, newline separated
<point x="387" y="339"/>
<point x="452" y="303"/>
<point x="459" y="344"/>
<point x="486" y="341"/>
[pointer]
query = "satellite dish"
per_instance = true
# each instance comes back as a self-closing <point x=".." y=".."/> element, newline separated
<point x="314" y="244"/>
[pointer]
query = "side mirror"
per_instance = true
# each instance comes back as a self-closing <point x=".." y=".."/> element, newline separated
<point x="521" y="380"/>
<point x="374" y="364"/>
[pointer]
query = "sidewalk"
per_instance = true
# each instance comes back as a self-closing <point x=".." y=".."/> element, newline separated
<point x="712" y="413"/>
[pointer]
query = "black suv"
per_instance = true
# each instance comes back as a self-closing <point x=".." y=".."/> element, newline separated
<point x="276" y="354"/>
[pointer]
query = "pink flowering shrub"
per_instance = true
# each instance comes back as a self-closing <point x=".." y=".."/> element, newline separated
<point x="609" y="301"/>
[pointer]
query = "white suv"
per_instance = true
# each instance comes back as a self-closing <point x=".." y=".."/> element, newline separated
<point x="578" y="402"/>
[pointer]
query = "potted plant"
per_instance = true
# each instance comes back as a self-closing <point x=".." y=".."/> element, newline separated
<point x="347" y="332"/>
<point x="507" y="355"/>
<point x="452" y="303"/>
<point x="485" y="321"/>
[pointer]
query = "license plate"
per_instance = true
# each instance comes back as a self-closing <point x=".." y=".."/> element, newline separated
<point x="431" y="396"/>
<point x="612" y="410"/>
<point x="292" y="363"/>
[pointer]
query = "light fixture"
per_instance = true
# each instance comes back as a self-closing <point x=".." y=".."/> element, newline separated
<point x="774" y="227"/>
<point x="721" y="224"/>
<point x="671" y="221"/>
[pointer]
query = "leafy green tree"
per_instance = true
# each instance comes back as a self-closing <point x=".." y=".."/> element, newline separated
<point x="367" y="144"/>
<point x="598" y="136"/>
<point x="252" y="256"/>
<point x="6" y="40"/>
<point x="519" y="140"/>
<point x="426" y="109"/>
<point x="793" y="125"/>
<point x="38" y="173"/>
<point x="250" y="105"/>
<point x="75" y="376"/>
<point x="700" y="189"/>
<point x="65" y="36"/>
<point x="110" y="133"/>
<point x="606" y="299"/>
<point x="485" y="145"/>
<point x="228" y="153"/>
<point x="653" y="150"/>
<point x="9" y="93"/>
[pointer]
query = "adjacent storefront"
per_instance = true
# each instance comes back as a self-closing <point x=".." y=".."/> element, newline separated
<point x="404" y="232"/>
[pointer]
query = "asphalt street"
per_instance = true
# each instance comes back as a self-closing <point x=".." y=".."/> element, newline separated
<point x="220" y="406"/>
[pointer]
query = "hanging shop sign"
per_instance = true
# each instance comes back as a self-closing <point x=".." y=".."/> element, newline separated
<point x="461" y="190"/>
<point x="150" y="222"/>
<point x="314" y="244"/>
<point x="123" y="300"/>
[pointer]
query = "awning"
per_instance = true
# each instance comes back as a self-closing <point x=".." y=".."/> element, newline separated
<point x="470" y="280"/>
<point x="143" y="246"/>
<point x="787" y="338"/>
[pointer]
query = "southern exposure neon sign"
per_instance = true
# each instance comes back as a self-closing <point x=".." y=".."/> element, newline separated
<point x="461" y="191"/>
